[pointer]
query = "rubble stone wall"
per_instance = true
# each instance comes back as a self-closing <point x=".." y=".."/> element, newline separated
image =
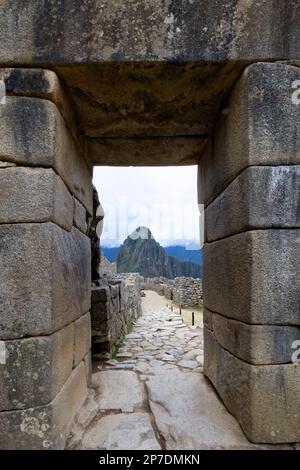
<point x="186" y="291"/>
<point x="116" y="303"/>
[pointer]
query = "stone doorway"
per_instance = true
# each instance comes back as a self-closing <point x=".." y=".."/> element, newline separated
<point x="246" y="142"/>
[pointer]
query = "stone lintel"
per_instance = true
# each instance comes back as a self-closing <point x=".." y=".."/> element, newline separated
<point x="147" y="151"/>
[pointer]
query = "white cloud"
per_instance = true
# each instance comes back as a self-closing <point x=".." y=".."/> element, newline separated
<point x="161" y="198"/>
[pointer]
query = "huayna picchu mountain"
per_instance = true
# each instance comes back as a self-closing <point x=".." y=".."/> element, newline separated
<point x="141" y="253"/>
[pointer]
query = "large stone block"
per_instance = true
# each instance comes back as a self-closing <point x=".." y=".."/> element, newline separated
<point x="83" y="338"/>
<point x="207" y="318"/>
<point x="45" y="427"/>
<point x="34" y="195"/>
<point x="168" y="32"/>
<point x="256" y="344"/>
<point x="35" y="369"/>
<point x="100" y="313"/>
<point x="100" y="294"/>
<point x="42" y="83"/>
<point x="80" y="216"/>
<point x="33" y="133"/>
<point x="125" y="152"/>
<point x="260" y="197"/>
<point x="44" y="278"/>
<point x="254" y="277"/>
<point x="264" y="398"/>
<point x="260" y="126"/>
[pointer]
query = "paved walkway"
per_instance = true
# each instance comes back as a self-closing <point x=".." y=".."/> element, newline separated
<point x="154" y="395"/>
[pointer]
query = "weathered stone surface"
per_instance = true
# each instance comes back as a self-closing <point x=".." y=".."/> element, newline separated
<point x="121" y="432"/>
<point x="122" y="152"/>
<point x="164" y="31"/>
<point x="34" y="195"/>
<point x="114" y="307"/>
<point x="263" y="398"/>
<point x="45" y="427"/>
<point x="100" y="294"/>
<point x="254" y="277"/>
<point x="44" y="269"/>
<point x="199" y="421"/>
<point x="82" y="420"/>
<point x="159" y="71"/>
<point x="33" y="133"/>
<point x="35" y="369"/>
<point x="187" y="363"/>
<point x="82" y="338"/>
<point x="260" y="197"/>
<point x="7" y="164"/>
<point x="88" y="367"/>
<point x="118" y="390"/>
<point x="80" y="216"/>
<point x="210" y="365"/>
<point x="257" y="344"/>
<point x="41" y="83"/>
<point x="207" y="318"/>
<point x="255" y="129"/>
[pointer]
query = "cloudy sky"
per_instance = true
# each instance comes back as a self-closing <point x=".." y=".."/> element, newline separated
<point x="163" y="199"/>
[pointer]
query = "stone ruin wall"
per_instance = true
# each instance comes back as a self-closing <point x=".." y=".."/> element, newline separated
<point x="186" y="291"/>
<point x="116" y="303"/>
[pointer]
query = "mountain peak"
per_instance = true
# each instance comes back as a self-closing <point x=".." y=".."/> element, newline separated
<point x="141" y="253"/>
<point x="144" y="233"/>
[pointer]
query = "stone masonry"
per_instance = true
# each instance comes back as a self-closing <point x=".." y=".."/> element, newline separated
<point x="185" y="291"/>
<point x="116" y="303"/>
<point x="202" y="82"/>
<point x="45" y="192"/>
<point x="249" y="182"/>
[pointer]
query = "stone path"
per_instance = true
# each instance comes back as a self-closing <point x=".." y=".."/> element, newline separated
<point x="154" y="395"/>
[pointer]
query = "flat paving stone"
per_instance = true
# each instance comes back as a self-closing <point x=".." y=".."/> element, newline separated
<point x="190" y="416"/>
<point x="121" y="432"/>
<point x="118" y="390"/>
<point x="188" y="364"/>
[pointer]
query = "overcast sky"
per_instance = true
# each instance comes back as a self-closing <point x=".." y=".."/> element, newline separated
<point x="164" y="199"/>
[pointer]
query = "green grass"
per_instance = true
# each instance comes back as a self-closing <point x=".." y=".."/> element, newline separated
<point x="129" y="328"/>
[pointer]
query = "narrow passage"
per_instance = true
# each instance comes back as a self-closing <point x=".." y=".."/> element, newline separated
<point x="154" y="394"/>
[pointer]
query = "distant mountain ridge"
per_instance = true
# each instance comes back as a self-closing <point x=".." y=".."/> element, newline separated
<point x="141" y="253"/>
<point x="183" y="254"/>
<point x="178" y="251"/>
<point x="110" y="253"/>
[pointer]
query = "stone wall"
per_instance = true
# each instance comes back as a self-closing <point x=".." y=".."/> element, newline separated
<point x="249" y="179"/>
<point x="45" y="193"/>
<point x="187" y="292"/>
<point x="158" y="284"/>
<point x="116" y="303"/>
